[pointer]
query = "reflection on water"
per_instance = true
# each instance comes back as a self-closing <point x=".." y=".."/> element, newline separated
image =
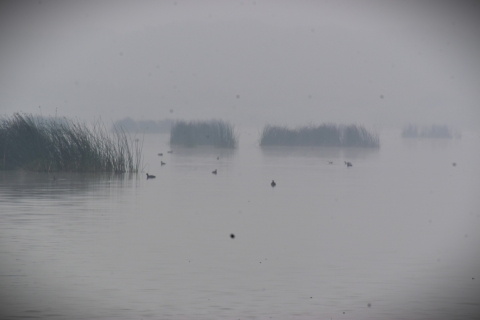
<point x="395" y="236"/>
<point x="320" y="152"/>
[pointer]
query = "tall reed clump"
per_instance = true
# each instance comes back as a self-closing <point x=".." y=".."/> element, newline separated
<point x="434" y="131"/>
<point x="50" y="144"/>
<point x="325" y="135"/>
<point x="215" y="133"/>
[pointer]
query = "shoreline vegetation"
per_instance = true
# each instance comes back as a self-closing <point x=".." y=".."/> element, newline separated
<point x="144" y="126"/>
<point x="217" y="133"/>
<point x="324" y="135"/>
<point x="42" y="144"/>
<point x="434" y="131"/>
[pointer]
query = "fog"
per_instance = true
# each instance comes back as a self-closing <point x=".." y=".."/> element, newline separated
<point x="378" y="63"/>
<point x="361" y="222"/>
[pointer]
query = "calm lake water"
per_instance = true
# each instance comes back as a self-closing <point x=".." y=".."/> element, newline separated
<point x="396" y="236"/>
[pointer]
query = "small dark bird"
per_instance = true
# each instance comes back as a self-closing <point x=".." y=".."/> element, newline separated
<point x="160" y="154"/>
<point x="349" y="164"/>
<point x="454" y="164"/>
<point x="232" y="236"/>
<point x="273" y="184"/>
<point x="170" y="151"/>
<point x="330" y="162"/>
<point x="150" y="176"/>
<point x="162" y="163"/>
<point x="214" y="171"/>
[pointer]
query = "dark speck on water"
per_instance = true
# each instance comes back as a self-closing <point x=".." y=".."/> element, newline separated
<point x="232" y="236"/>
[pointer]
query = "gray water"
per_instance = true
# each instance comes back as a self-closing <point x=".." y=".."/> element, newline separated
<point x="396" y="236"/>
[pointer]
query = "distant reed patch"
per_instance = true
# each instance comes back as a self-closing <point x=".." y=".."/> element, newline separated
<point x="215" y="133"/>
<point x="325" y="135"/>
<point x="435" y="131"/>
<point x="50" y="144"/>
<point x="144" y="126"/>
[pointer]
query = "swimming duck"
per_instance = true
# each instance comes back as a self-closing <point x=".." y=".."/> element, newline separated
<point x="150" y="176"/>
<point x="214" y="171"/>
<point x="273" y="184"/>
<point x="162" y="163"/>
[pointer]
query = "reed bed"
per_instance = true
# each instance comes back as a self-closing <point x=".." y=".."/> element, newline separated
<point x="325" y="135"/>
<point x="215" y="133"/>
<point x="50" y="144"/>
<point x="434" y="131"/>
<point x="144" y="126"/>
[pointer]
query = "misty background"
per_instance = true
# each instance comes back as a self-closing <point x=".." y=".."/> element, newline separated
<point x="378" y="63"/>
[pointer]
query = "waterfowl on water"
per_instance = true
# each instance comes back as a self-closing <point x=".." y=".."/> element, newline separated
<point x="150" y="176"/>
<point x="349" y="164"/>
<point x="162" y="163"/>
<point x="160" y="154"/>
<point x="170" y="151"/>
<point x="273" y="184"/>
<point x="454" y="164"/>
<point x="330" y="162"/>
<point x="214" y="171"/>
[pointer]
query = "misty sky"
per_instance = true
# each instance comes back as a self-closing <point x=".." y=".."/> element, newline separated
<point x="380" y="63"/>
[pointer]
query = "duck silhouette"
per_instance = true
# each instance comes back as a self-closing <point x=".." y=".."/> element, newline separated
<point x="349" y="164"/>
<point x="162" y="163"/>
<point x="150" y="176"/>
<point x="273" y="184"/>
<point x="214" y="171"/>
